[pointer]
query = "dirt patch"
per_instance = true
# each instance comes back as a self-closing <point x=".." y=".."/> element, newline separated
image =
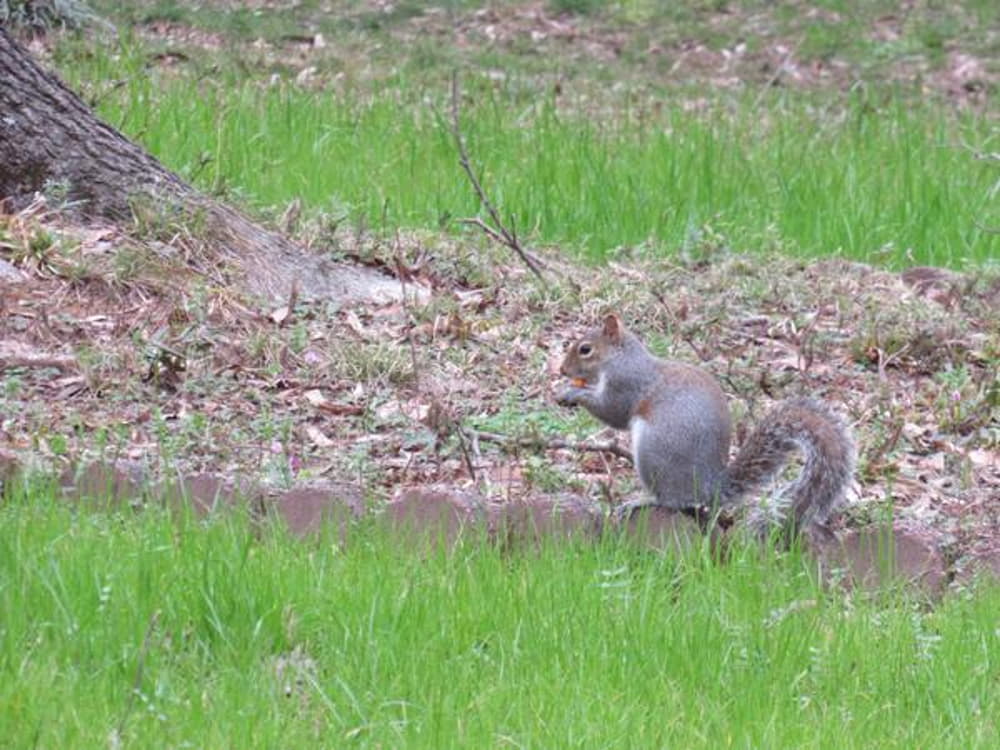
<point x="584" y="57"/>
<point x="531" y="24"/>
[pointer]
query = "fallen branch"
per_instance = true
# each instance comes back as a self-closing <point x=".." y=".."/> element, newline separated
<point x="16" y="354"/>
<point x="498" y="233"/>
<point x="550" y="444"/>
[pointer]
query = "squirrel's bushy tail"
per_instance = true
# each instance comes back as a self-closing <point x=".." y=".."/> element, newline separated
<point x="828" y="460"/>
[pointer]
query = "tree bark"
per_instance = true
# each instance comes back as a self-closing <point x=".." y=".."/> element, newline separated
<point x="49" y="137"/>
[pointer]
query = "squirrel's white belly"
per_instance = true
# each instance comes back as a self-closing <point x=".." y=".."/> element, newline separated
<point x="637" y="427"/>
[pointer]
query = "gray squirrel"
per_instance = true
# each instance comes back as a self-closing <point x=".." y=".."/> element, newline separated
<point x="680" y="427"/>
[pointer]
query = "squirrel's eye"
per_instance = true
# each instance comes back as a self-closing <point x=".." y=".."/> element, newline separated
<point x="585" y="350"/>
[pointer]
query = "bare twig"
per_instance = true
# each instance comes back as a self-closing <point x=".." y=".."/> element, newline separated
<point x="487" y="229"/>
<point x="703" y="354"/>
<point x="411" y="319"/>
<point x="499" y="232"/>
<point x="888" y="444"/>
<point x="293" y="299"/>
<point x="805" y="345"/>
<point x="885" y="361"/>
<point x="779" y="70"/>
<point x="460" y="433"/>
<point x="549" y="443"/>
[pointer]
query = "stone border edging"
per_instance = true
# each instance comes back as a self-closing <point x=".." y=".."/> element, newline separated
<point x="868" y="558"/>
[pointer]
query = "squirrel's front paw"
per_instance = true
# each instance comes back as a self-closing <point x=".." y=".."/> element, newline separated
<point x="569" y="396"/>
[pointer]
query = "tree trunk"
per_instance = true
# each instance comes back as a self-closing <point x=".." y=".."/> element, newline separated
<point x="50" y="138"/>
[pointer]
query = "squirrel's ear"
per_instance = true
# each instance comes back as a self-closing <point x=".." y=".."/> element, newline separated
<point x="614" y="329"/>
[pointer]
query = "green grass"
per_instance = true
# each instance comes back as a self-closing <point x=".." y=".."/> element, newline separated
<point x="882" y="178"/>
<point x="572" y="645"/>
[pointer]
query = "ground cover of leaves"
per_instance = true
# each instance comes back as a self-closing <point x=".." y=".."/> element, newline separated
<point x="948" y="52"/>
<point x="168" y="371"/>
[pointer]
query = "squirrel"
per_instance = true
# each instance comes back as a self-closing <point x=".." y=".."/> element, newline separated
<point x="680" y="427"/>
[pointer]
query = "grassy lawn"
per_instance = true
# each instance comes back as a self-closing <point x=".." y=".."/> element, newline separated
<point x="147" y="631"/>
<point x="602" y="156"/>
<point x="890" y="185"/>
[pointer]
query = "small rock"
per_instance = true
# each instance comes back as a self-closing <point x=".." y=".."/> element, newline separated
<point x="107" y="485"/>
<point x="306" y="509"/>
<point x="436" y="514"/>
<point x="10" y="273"/>
<point x="876" y="556"/>
<point x="565" y="515"/>
<point x="207" y="493"/>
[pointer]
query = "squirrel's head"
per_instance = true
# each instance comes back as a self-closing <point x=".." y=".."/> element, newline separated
<point x="586" y="356"/>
